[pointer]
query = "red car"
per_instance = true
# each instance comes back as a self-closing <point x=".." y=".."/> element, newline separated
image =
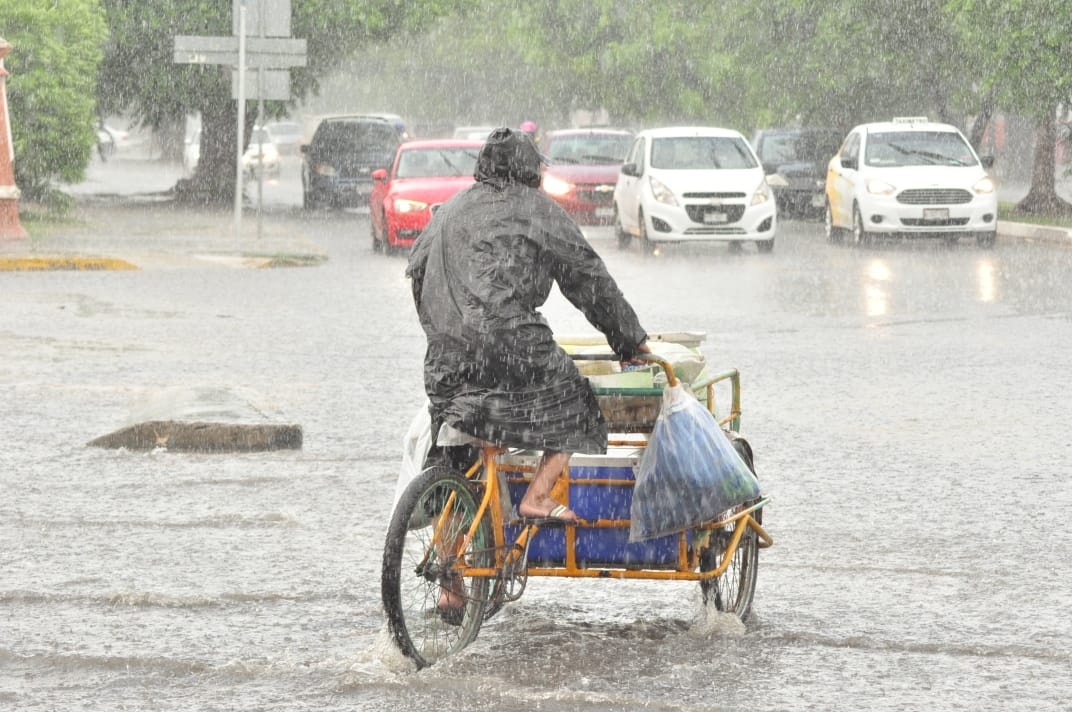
<point x="584" y="167"/>
<point x="424" y="174"/>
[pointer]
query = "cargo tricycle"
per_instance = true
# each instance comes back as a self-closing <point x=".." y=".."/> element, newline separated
<point x="459" y="532"/>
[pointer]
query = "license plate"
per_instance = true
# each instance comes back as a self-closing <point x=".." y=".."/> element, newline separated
<point x="935" y="213"/>
<point x="604" y="212"/>
<point x="712" y="217"/>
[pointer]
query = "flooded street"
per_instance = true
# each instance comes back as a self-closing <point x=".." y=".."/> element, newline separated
<point x="906" y="404"/>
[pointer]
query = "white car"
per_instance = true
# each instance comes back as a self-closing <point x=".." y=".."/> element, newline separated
<point x="261" y="155"/>
<point x="695" y="183"/>
<point x="909" y="177"/>
<point x="191" y="152"/>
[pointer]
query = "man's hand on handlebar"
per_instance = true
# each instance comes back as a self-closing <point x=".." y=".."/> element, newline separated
<point x="642" y="348"/>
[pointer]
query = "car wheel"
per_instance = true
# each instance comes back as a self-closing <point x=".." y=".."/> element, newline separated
<point x="647" y="247"/>
<point x="624" y="238"/>
<point x="833" y="232"/>
<point x="860" y="236"/>
<point x="765" y="245"/>
<point x="985" y="239"/>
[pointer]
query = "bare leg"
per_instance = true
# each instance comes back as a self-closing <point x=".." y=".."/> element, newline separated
<point x="537" y="501"/>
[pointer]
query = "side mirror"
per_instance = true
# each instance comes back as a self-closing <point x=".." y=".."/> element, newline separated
<point x="303" y="148"/>
<point x="379" y="174"/>
<point x="630" y="169"/>
<point x="987" y="161"/>
<point x="848" y="163"/>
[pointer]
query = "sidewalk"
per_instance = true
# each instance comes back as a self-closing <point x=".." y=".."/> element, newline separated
<point x="151" y="232"/>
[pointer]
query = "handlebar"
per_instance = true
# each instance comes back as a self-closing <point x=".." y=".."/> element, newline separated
<point x="733" y="419"/>
<point x="671" y="379"/>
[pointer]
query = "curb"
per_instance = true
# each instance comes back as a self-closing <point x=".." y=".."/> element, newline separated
<point x="40" y="264"/>
<point x="1039" y="233"/>
<point x="99" y="264"/>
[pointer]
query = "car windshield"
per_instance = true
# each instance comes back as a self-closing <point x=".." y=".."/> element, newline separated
<point x="285" y="130"/>
<point x="354" y="137"/>
<point x="259" y="136"/>
<point x="701" y="153"/>
<point x="798" y="146"/>
<point x="436" y="162"/>
<point x="589" y="149"/>
<point x="917" y="148"/>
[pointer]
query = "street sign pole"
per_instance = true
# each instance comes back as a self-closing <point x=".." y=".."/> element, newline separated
<point x="272" y="52"/>
<point x="241" y="120"/>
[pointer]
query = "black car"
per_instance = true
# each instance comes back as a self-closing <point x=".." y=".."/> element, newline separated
<point x="338" y="162"/>
<point x="795" y="161"/>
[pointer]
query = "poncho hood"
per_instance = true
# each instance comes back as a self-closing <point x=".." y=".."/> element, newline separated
<point x="509" y="156"/>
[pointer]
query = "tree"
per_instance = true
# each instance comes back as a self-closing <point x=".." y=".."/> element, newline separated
<point x="138" y="74"/>
<point x="1026" y="68"/>
<point x="51" y="89"/>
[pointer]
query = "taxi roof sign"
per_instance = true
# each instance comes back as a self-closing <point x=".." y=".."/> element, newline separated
<point x="910" y="119"/>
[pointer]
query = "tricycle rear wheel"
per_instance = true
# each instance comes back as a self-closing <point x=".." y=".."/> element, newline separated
<point x="418" y="566"/>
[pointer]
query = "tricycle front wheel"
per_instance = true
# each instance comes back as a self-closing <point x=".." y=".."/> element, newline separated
<point x="732" y="592"/>
<point x="423" y="547"/>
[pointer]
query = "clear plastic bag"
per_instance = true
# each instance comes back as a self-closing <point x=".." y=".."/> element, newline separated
<point x="689" y="473"/>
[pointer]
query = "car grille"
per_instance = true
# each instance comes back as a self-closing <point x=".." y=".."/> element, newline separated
<point x="934" y="196"/>
<point x="947" y="222"/>
<point x="705" y="196"/>
<point x="696" y="212"/>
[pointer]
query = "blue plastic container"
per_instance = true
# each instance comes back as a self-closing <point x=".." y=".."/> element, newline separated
<point x="592" y="497"/>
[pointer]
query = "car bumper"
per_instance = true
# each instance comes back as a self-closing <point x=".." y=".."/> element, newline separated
<point x="886" y="215"/>
<point x="586" y="211"/>
<point x="801" y="198"/>
<point x="403" y="229"/>
<point x="343" y="191"/>
<point x="699" y="223"/>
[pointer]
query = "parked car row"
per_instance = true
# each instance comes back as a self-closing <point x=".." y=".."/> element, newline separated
<point x="678" y="184"/>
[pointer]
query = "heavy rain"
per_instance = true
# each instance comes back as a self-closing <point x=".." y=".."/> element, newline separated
<point x="902" y="392"/>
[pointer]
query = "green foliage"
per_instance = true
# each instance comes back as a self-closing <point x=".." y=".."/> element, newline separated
<point x="139" y="76"/>
<point x="1028" y="45"/>
<point x="51" y="88"/>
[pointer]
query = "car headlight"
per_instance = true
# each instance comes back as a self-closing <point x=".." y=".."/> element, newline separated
<point x="985" y="185"/>
<point x="660" y="192"/>
<point x="879" y="187"/>
<point x="553" y="185"/>
<point x="402" y="205"/>
<point x="324" y="169"/>
<point x="775" y="180"/>
<point x="762" y="194"/>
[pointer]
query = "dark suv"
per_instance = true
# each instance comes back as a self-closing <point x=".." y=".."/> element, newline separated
<point x="795" y="160"/>
<point x="338" y="162"/>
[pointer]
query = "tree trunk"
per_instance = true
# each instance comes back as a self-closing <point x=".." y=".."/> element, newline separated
<point x="1042" y="198"/>
<point x="982" y="120"/>
<point x="213" y="182"/>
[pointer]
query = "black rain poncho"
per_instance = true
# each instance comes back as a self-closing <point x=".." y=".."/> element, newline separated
<point x="480" y="270"/>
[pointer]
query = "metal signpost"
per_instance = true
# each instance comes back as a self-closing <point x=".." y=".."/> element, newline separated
<point x="261" y="43"/>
